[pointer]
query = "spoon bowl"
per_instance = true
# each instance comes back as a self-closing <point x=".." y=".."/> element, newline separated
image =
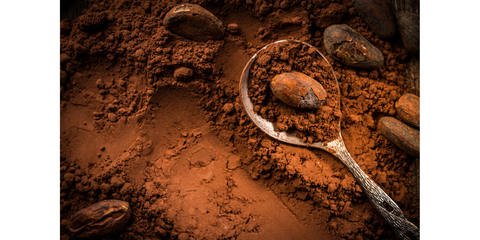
<point x="387" y="208"/>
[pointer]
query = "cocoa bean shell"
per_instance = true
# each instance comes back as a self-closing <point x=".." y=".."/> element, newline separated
<point x="402" y="135"/>
<point x="408" y="109"/>
<point x="378" y="15"/>
<point x="298" y="90"/>
<point x="99" y="219"/>
<point x="193" y="22"/>
<point x="350" y="48"/>
<point x="409" y="28"/>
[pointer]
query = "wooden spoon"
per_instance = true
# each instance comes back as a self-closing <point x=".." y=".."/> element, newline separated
<point x="403" y="228"/>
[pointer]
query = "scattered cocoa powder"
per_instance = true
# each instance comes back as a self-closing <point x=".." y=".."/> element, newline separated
<point x="184" y="153"/>
<point x="310" y="125"/>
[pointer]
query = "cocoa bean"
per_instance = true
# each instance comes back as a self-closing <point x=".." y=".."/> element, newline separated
<point x="193" y="22"/>
<point x="408" y="109"/>
<point x="350" y="48"/>
<point x="409" y="28"/>
<point x="402" y="135"/>
<point x="378" y="16"/>
<point x="99" y="219"/>
<point x="298" y="90"/>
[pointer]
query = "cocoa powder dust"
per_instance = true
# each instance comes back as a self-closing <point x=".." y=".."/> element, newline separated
<point x="310" y="125"/>
<point x="156" y="120"/>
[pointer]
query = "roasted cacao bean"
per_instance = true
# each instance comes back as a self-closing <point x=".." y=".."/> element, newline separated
<point x="378" y="16"/>
<point x="402" y="135"/>
<point x="409" y="28"/>
<point x="349" y="47"/>
<point x="298" y="90"/>
<point x="193" y="22"/>
<point x="99" y="219"/>
<point x="408" y="109"/>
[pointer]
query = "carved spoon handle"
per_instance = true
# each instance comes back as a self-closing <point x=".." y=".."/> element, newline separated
<point x="389" y="210"/>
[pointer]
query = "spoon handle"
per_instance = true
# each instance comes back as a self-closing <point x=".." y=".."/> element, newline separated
<point x="389" y="210"/>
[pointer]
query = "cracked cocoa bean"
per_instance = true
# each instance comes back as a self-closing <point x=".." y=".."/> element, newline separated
<point x="298" y="90"/>
<point x="350" y="48"/>
<point x="99" y="219"/>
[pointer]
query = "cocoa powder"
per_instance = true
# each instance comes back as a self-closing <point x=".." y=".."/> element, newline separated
<point x="182" y="151"/>
<point x="310" y="125"/>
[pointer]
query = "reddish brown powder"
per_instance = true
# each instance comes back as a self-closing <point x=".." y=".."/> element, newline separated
<point x="185" y="155"/>
<point x="310" y="125"/>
